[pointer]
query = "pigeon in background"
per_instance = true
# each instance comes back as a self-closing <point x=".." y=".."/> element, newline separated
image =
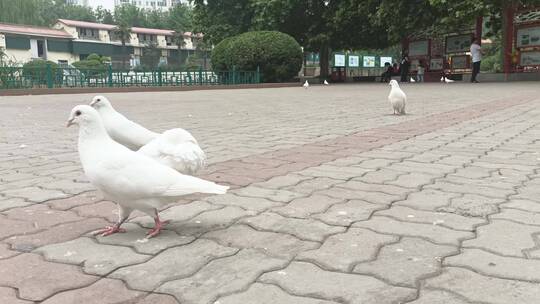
<point x="412" y="80"/>
<point x="175" y="148"/>
<point x="326" y="82"/>
<point x="446" y="80"/>
<point x="306" y="85"/>
<point x="130" y="179"/>
<point x="397" y="98"/>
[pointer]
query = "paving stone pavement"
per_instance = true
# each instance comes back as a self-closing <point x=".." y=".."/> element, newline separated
<point x="333" y="200"/>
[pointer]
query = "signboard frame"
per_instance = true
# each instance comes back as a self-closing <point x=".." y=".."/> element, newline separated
<point x="351" y="63"/>
<point x="426" y="52"/>
<point x="440" y="64"/>
<point x="529" y="65"/>
<point x="518" y="42"/>
<point x="463" y="49"/>
<point x="369" y="57"/>
<point x="467" y="62"/>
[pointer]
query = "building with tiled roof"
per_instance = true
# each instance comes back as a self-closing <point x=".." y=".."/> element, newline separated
<point x="72" y="40"/>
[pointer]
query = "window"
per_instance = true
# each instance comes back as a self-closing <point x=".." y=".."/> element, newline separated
<point x="169" y="41"/>
<point x="146" y="38"/>
<point x="41" y="48"/>
<point x="87" y="33"/>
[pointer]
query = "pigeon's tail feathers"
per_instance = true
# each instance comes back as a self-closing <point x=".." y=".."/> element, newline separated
<point x="189" y="184"/>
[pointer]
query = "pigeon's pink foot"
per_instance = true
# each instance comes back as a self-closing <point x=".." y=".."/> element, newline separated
<point x="110" y="230"/>
<point x="157" y="227"/>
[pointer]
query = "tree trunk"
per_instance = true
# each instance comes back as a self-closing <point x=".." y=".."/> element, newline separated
<point x="324" y="59"/>
<point x="507" y="35"/>
<point x="124" y="55"/>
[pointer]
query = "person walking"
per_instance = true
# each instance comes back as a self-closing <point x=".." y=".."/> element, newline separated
<point x="421" y="69"/>
<point x="476" y="54"/>
<point x="404" y="68"/>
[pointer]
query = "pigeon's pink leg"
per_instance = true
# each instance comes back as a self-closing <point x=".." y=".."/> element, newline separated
<point x="157" y="227"/>
<point x="109" y="230"/>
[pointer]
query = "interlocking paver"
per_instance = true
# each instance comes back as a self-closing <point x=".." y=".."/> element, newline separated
<point x="305" y="279"/>
<point x="434" y="233"/>
<point x="104" y="291"/>
<point x="95" y="258"/>
<point x="304" y="207"/>
<point x="37" y="279"/>
<point x="166" y="266"/>
<point x="222" y="276"/>
<point x="504" y="238"/>
<point x="406" y="262"/>
<point x="268" y="294"/>
<point x="479" y="288"/>
<point x="305" y="229"/>
<point x="272" y="243"/>
<point x="42" y="216"/>
<point x="340" y="252"/>
<point x="344" y="214"/>
<point x="9" y="295"/>
<point x="497" y="266"/>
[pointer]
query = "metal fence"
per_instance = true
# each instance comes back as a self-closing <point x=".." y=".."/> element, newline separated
<point x="70" y="77"/>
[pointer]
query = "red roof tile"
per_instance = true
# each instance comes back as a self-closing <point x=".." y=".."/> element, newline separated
<point x="85" y="24"/>
<point x="33" y="31"/>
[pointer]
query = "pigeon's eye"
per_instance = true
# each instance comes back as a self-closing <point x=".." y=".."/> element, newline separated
<point x="77" y="113"/>
<point x="98" y="99"/>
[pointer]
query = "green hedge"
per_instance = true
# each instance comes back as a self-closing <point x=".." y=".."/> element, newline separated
<point x="37" y="70"/>
<point x="278" y="55"/>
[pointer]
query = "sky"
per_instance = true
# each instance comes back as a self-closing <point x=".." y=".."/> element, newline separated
<point x="108" y="4"/>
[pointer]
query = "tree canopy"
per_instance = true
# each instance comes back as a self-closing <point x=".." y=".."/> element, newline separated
<point x="46" y="12"/>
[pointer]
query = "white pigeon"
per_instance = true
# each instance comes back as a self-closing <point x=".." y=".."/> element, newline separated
<point x="306" y="85"/>
<point x="446" y="80"/>
<point x="128" y="178"/>
<point x="175" y="148"/>
<point x="412" y="80"/>
<point x="326" y="82"/>
<point x="397" y="98"/>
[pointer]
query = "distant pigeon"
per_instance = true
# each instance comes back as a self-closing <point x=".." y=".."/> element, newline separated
<point x="326" y="82"/>
<point x="397" y="98"/>
<point x="130" y="179"/>
<point x="175" y="148"/>
<point x="412" y="80"/>
<point x="306" y="84"/>
<point x="446" y="80"/>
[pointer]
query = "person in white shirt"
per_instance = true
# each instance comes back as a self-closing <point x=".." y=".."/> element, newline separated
<point x="420" y="73"/>
<point x="476" y="53"/>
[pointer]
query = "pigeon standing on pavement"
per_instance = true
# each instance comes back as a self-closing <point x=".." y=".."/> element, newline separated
<point x="306" y="84"/>
<point x="128" y="178"/>
<point x="326" y="82"/>
<point x="175" y="148"/>
<point x="446" y="80"/>
<point x="397" y="98"/>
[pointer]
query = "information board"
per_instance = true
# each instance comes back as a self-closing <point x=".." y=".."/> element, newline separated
<point x="369" y="61"/>
<point x="530" y="58"/>
<point x="385" y="60"/>
<point x="460" y="62"/>
<point x="436" y="64"/>
<point x="419" y="48"/>
<point x="458" y="44"/>
<point x="354" y="61"/>
<point x="528" y="36"/>
<point x="339" y="60"/>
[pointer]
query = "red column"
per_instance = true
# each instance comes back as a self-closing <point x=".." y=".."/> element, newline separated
<point x="479" y="26"/>
<point x="508" y="35"/>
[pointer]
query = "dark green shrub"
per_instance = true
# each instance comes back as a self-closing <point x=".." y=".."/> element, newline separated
<point x="93" y="66"/>
<point x="36" y="70"/>
<point x="278" y="55"/>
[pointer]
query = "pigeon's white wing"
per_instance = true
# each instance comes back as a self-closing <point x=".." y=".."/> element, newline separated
<point x="128" y="175"/>
<point x="176" y="149"/>
<point x="125" y="131"/>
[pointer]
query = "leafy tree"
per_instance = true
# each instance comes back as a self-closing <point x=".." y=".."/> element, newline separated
<point x="123" y="33"/>
<point x="104" y="15"/>
<point x="180" y="17"/>
<point x="278" y="55"/>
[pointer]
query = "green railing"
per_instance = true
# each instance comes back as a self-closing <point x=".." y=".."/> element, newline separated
<point x="70" y="77"/>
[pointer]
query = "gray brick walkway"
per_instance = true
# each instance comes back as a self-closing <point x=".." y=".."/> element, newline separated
<point x="334" y="200"/>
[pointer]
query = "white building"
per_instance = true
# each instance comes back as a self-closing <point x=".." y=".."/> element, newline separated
<point x="71" y="40"/>
<point x="150" y="4"/>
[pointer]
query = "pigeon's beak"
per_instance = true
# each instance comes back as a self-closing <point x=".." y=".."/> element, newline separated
<point x="93" y="103"/>
<point x="69" y="123"/>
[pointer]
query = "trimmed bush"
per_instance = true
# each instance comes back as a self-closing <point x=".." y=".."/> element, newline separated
<point x="278" y="55"/>
<point x="93" y="66"/>
<point x="37" y="70"/>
